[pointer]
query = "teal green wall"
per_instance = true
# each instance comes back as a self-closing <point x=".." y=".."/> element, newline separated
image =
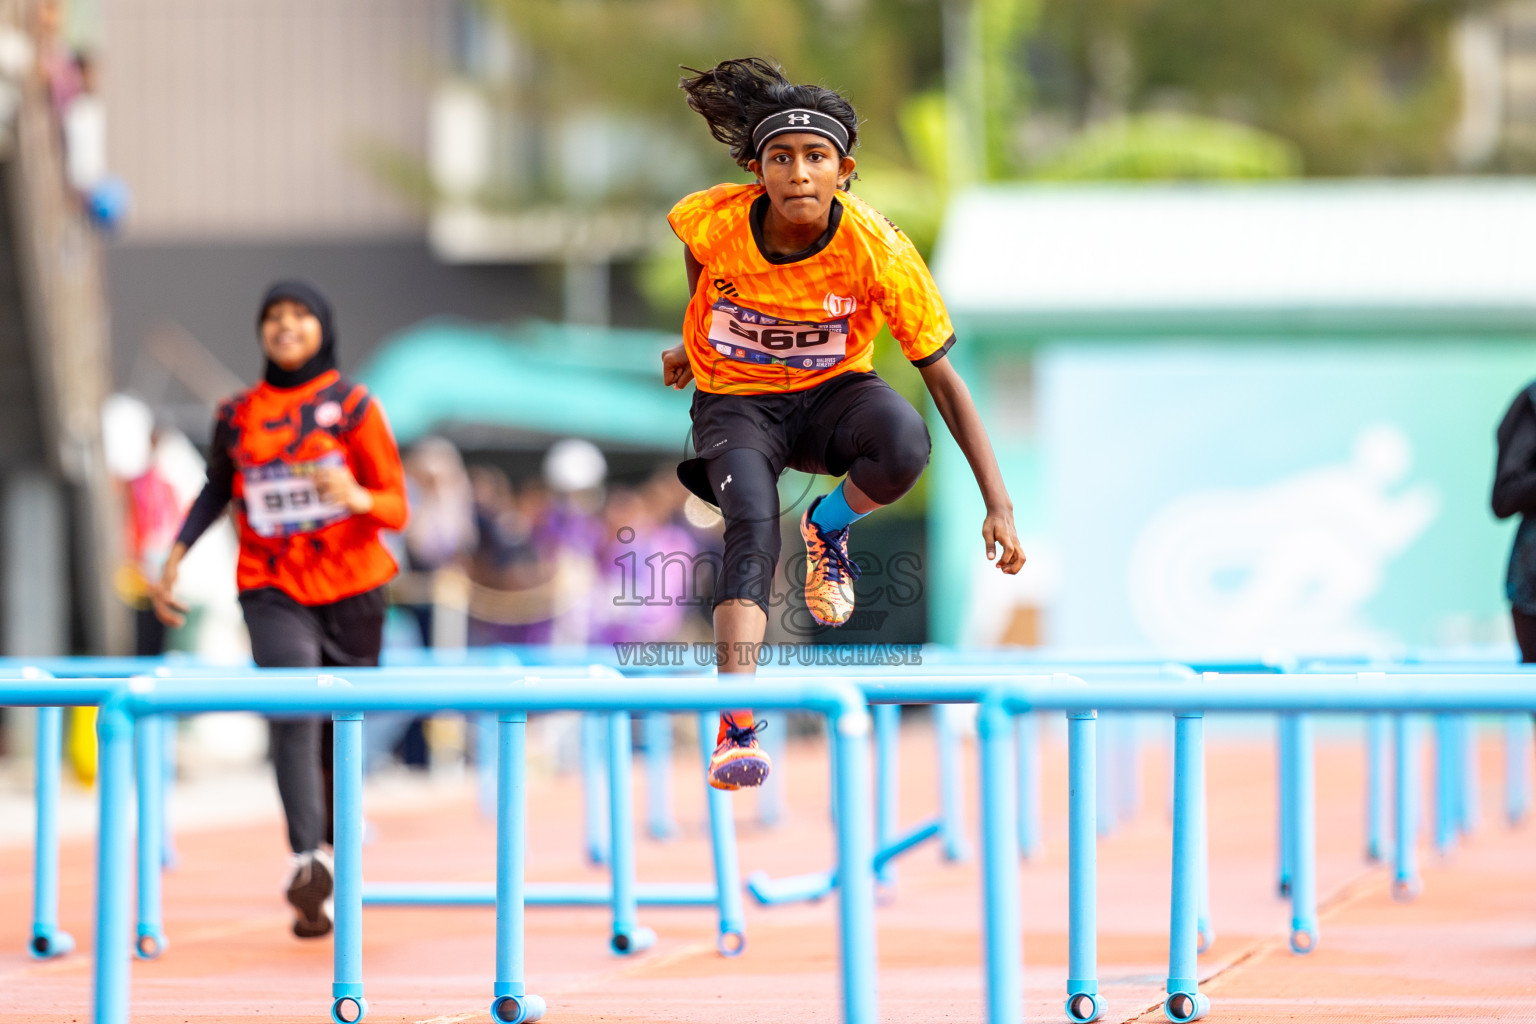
<point x="1123" y="428"/>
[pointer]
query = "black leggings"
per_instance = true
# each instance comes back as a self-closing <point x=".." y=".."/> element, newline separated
<point x="287" y="634"/>
<point x="1525" y="635"/>
<point x="880" y="442"/>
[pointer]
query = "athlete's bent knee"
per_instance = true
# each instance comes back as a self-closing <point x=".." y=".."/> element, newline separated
<point x="901" y="461"/>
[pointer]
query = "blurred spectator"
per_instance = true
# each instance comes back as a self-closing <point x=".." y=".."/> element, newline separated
<point x="56" y="65"/>
<point x="647" y="567"/>
<point x="152" y="508"/>
<point x="510" y="578"/>
<point x="1514" y="493"/>
<point x="534" y="566"/>
<point x="560" y="559"/>
<point x="442" y="531"/>
<point x="571" y="535"/>
<point x="71" y="82"/>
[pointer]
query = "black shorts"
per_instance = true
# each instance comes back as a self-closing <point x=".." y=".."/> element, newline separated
<point x="810" y="430"/>
<point x="287" y="634"/>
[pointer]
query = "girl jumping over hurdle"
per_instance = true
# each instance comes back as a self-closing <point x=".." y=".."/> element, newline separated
<point x="312" y="469"/>
<point x="791" y="278"/>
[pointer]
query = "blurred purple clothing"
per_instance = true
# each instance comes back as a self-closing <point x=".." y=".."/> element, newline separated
<point x="626" y="575"/>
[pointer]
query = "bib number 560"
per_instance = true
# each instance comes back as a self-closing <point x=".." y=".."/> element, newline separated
<point x="778" y="339"/>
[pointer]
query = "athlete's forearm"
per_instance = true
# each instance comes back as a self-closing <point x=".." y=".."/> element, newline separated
<point x="205" y="511"/>
<point x="214" y="497"/>
<point x="380" y="472"/>
<point x="389" y="508"/>
<point x="953" y="400"/>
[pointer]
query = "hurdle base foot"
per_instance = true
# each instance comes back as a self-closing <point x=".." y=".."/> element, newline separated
<point x="1183" y="1007"/>
<point x="150" y="944"/>
<point x="1084" y="1007"/>
<point x="45" y="945"/>
<point x="349" y="1009"/>
<point x="517" y="1009"/>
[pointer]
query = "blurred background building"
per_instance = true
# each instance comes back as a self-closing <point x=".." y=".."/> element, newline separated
<point x="1165" y="313"/>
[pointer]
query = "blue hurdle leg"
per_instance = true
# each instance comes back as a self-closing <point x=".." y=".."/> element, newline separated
<point x="347" y="1003"/>
<point x="658" y="775"/>
<point x="732" y="940"/>
<point x="770" y="795"/>
<point x="1284" y="749"/>
<point x="1517" y="768"/>
<point x="1083" y="1002"/>
<point x="594" y="743"/>
<point x="1470" y="805"/>
<point x="150" y="941"/>
<point x="485" y="762"/>
<point x="1003" y="935"/>
<point x="1206" y="934"/>
<point x="510" y="1003"/>
<point x="47" y="940"/>
<point x="1027" y="752"/>
<point x="1447" y="785"/>
<point x="114" y="786"/>
<point x="168" y="730"/>
<point x="1304" y="881"/>
<point x="1405" y="878"/>
<point x="1377" y="799"/>
<point x="628" y="936"/>
<point x="951" y="785"/>
<point x="1185" y="1001"/>
<point x="1104" y="796"/>
<point x="887" y="782"/>
<point x="855" y="868"/>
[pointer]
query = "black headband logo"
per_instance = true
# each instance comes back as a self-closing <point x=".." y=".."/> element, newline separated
<point x="813" y="122"/>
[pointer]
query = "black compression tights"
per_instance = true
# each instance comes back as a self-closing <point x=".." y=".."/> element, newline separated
<point x="885" y="446"/>
<point x="746" y="489"/>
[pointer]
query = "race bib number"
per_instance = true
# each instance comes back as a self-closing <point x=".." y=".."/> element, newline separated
<point x="748" y="336"/>
<point x="281" y="498"/>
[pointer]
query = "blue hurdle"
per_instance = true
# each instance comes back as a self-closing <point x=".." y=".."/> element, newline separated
<point x="950" y="678"/>
<point x="60" y="680"/>
<point x="1363" y="693"/>
<point x="623" y="893"/>
<point x="511" y="1003"/>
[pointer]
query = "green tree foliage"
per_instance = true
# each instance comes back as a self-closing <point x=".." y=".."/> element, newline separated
<point x="625" y="55"/>
<point x="1358" y="86"/>
<point x="1171" y="146"/>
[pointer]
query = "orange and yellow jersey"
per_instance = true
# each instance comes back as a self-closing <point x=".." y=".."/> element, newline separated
<point x="760" y="324"/>
<point x="267" y="444"/>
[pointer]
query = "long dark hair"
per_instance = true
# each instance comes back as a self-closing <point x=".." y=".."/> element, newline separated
<point x="735" y="95"/>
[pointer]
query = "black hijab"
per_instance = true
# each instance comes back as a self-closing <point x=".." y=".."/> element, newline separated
<point x="306" y="295"/>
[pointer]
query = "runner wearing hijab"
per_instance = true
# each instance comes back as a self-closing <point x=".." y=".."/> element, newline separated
<point x="309" y="463"/>
<point x="791" y="278"/>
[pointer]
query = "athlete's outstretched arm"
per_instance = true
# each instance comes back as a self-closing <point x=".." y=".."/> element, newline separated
<point x="205" y="511"/>
<point x="953" y="400"/>
<point x="675" y="370"/>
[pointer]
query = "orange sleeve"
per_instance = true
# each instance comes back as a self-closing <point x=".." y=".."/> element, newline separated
<point x="687" y="222"/>
<point x="376" y="464"/>
<point x="909" y="298"/>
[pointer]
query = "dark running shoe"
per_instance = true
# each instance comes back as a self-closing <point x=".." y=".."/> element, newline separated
<point x="310" y="890"/>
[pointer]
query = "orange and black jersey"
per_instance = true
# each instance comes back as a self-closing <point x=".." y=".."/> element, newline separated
<point x="267" y="444"/>
<point x="761" y="324"/>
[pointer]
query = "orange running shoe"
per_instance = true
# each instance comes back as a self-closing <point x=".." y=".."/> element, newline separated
<point x="829" y="572"/>
<point x="738" y="762"/>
